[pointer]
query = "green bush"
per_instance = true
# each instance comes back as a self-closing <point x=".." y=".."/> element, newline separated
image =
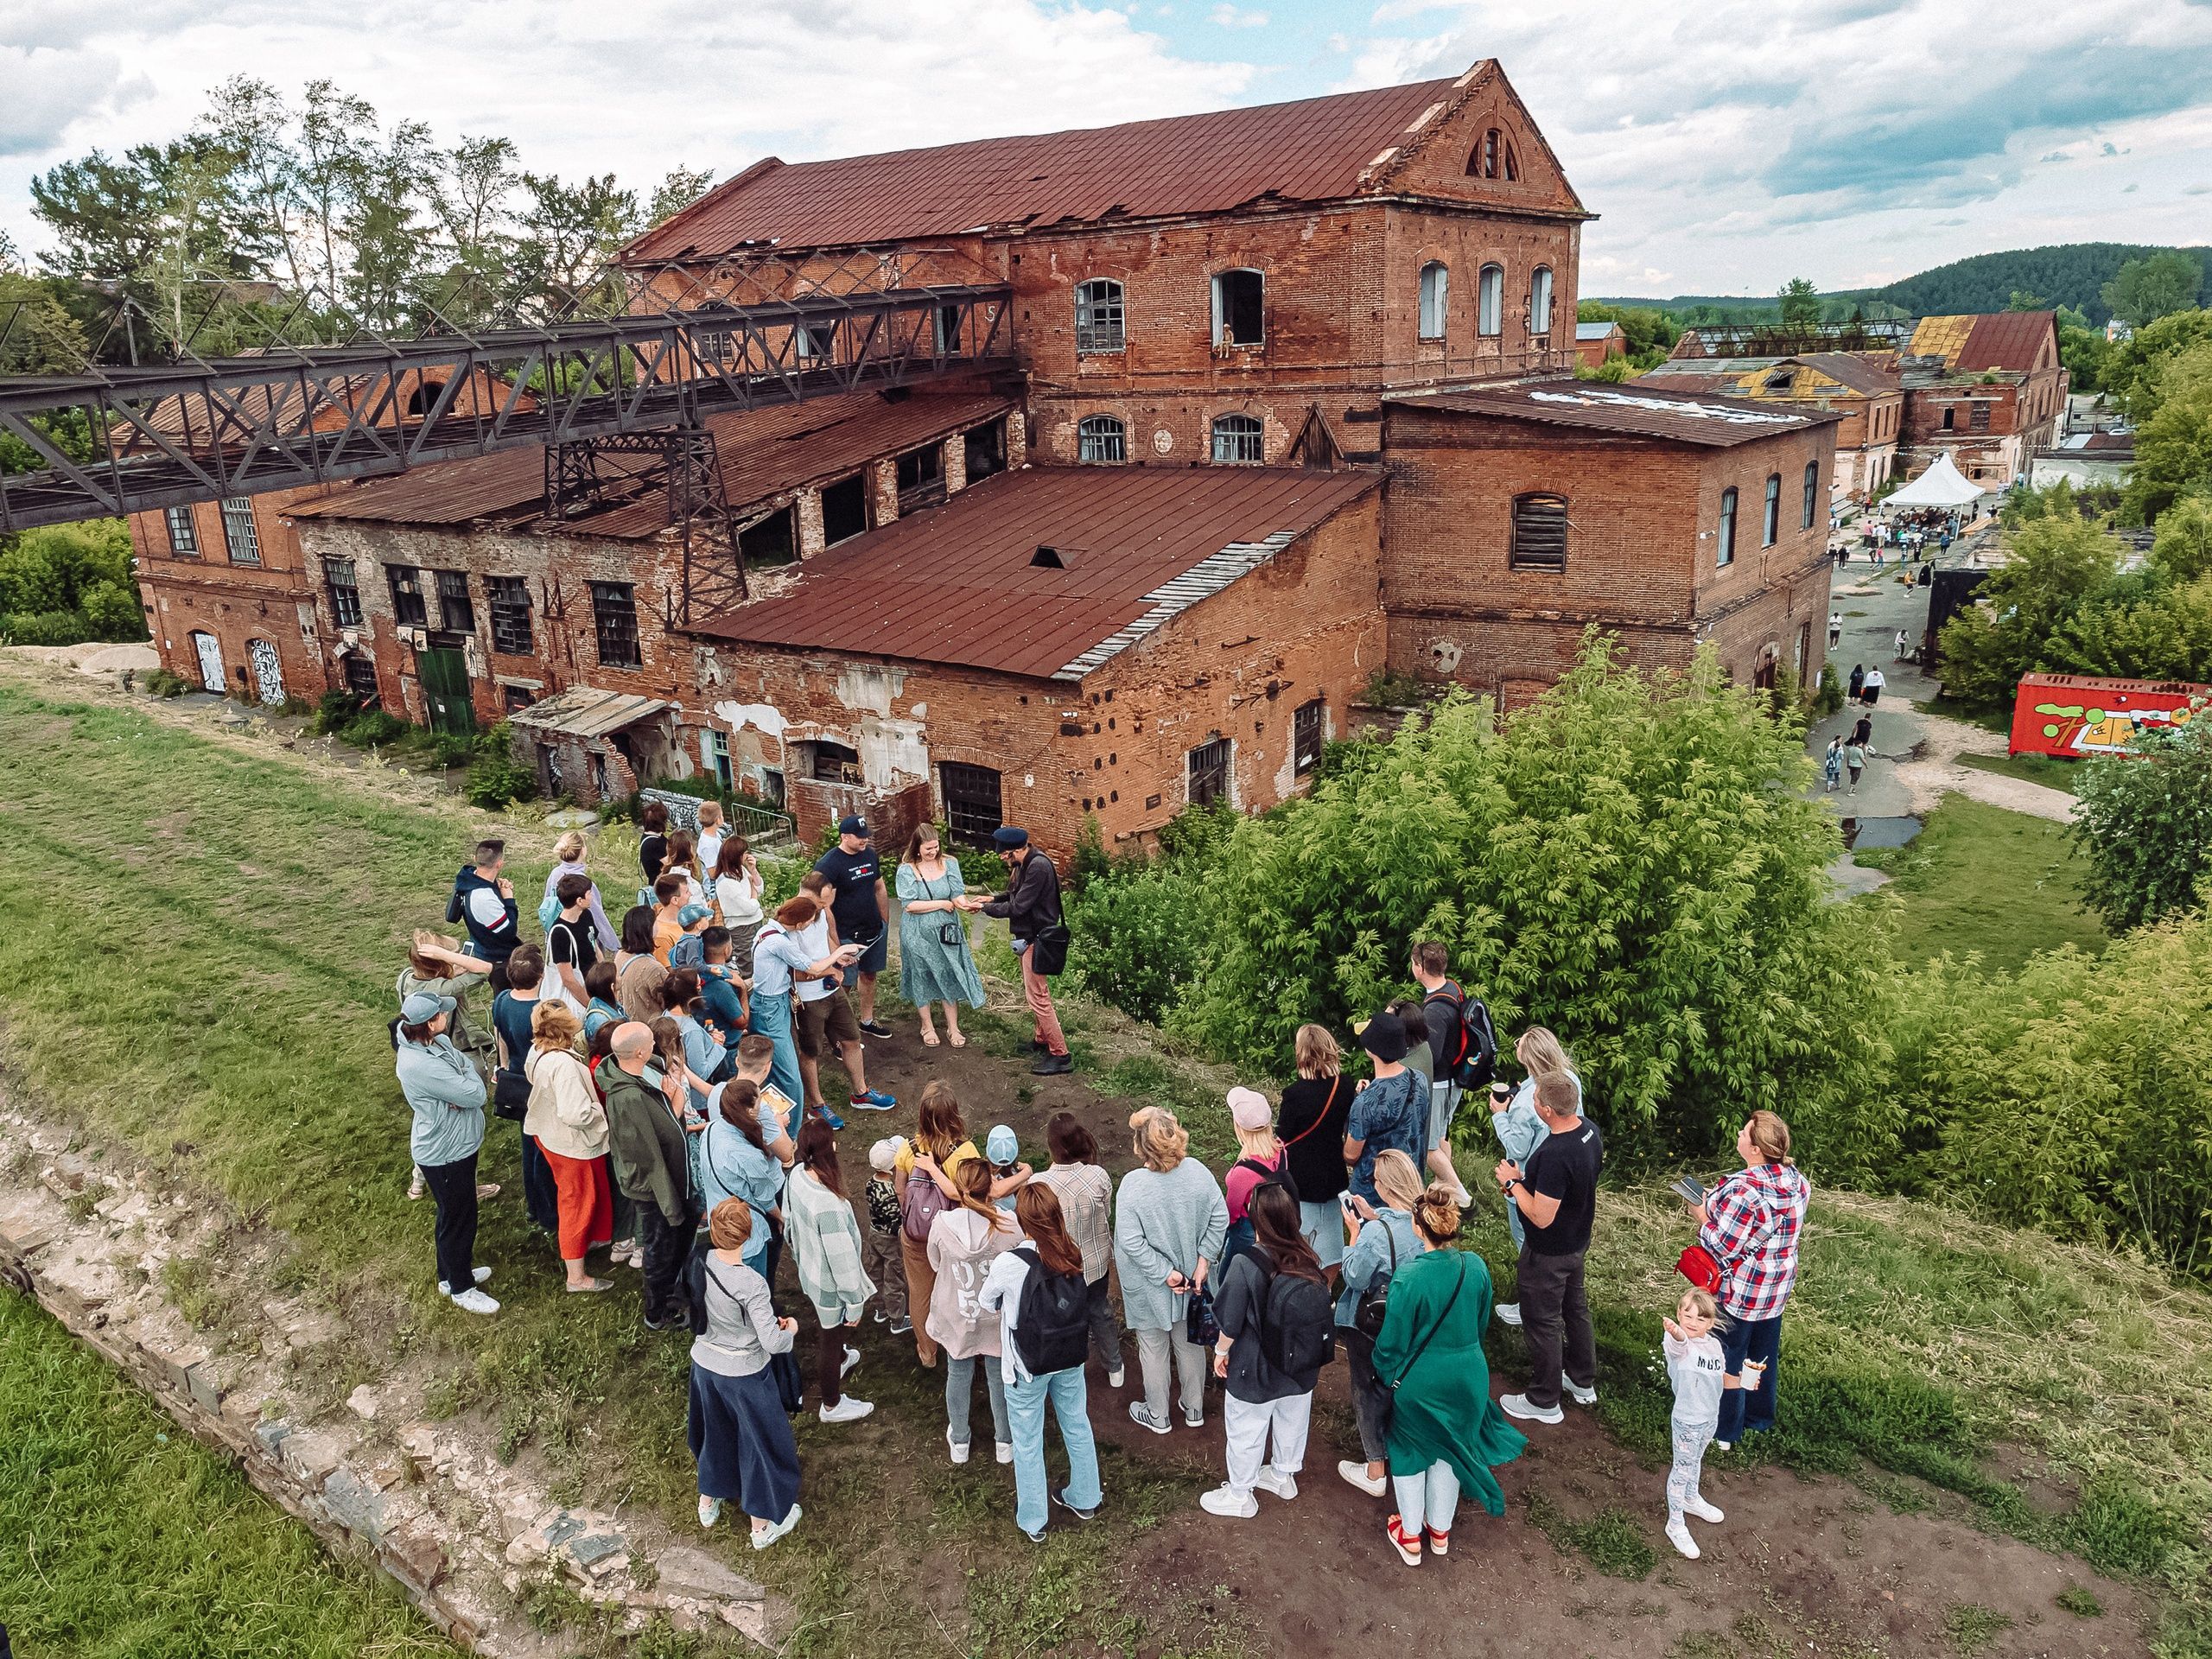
<point x="374" y="730"/>
<point x="163" y="684"/>
<point x="497" y="775"/>
<point x="2144" y="824"/>
<point x="65" y="584"/>
<point x="334" y="712"/>
<point x="1827" y="696"/>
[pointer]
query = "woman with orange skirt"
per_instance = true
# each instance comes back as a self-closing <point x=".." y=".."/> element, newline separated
<point x="569" y="1124"/>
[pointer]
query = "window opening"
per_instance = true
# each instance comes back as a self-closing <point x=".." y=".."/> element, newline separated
<point x="1098" y="317"/>
<point x="614" y="622"/>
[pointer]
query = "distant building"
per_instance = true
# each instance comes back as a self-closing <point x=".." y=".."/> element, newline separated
<point x="1596" y="341"/>
<point x="1864" y="387"/>
<point x="1989" y="391"/>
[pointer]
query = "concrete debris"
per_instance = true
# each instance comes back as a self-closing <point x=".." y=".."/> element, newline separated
<point x="362" y="1402"/>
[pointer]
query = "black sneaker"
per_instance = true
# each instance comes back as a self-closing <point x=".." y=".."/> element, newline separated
<point x="875" y="1028"/>
<point x="1038" y="1046"/>
<point x="1053" y="1065"/>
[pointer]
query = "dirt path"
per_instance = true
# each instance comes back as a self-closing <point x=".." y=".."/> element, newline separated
<point x="1932" y="770"/>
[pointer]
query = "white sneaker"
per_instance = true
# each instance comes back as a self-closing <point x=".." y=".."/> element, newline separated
<point x="847" y="1410"/>
<point x="1357" y="1475"/>
<point x="477" y="1275"/>
<point x="1272" y="1479"/>
<point x="1227" y="1500"/>
<point x="1194" y="1418"/>
<point x="1678" y="1535"/>
<point x="1005" y="1451"/>
<point x="475" y="1301"/>
<point x="1114" y="1377"/>
<point x="710" y="1510"/>
<point x="1516" y="1405"/>
<point x="958" y="1448"/>
<point x="852" y="1358"/>
<point x="1582" y="1396"/>
<point x="764" y="1537"/>
<point x="1508" y="1312"/>
<point x="416" y="1188"/>
<point x="1703" y="1510"/>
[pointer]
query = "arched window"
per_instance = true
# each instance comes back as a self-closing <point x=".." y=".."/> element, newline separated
<point x="1100" y="438"/>
<point x="1727" y="526"/>
<point x="1486" y="162"/>
<point x="1238" y="439"/>
<point x="1512" y="166"/>
<point x="1812" y="492"/>
<point x="1539" y="533"/>
<point x="1540" y="300"/>
<point x="1490" y="301"/>
<point x="1237" y="297"/>
<point x="1098" y="316"/>
<point x="1770" y="519"/>
<point x="1435" y="286"/>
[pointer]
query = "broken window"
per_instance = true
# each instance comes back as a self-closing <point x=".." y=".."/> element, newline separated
<point x="344" y="592"/>
<point x="361" y="677"/>
<point x="455" y="611"/>
<point x="1435" y="283"/>
<point x="516" y="698"/>
<point x="614" y="621"/>
<point x="408" y="608"/>
<point x="1490" y="301"/>
<point x="184" y="537"/>
<point x="844" y="510"/>
<point x="817" y="341"/>
<point x="1950" y="419"/>
<point x="832" y="763"/>
<point x="947" y="331"/>
<point x="1100" y="438"/>
<point x="241" y="540"/>
<point x="1540" y="300"/>
<point x="1483" y="163"/>
<point x="1770" y="516"/>
<point x="1539" y="533"/>
<point x="1308" y="729"/>
<point x="1812" y="494"/>
<point x="1236" y="307"/>
<point x="921" y="472"/>
<point x="713" y="347"/>
<point x="1727" y="555"/>
<point x="1207" y="766"/>
<point x="1237" y="439"/>
<point x="718" y="762"/>
<point x="1098" y="316"/>
<point x="1977" y="416"/>
<point x="510" y="597"/>
<point x="972" y="805"/>
<point x="986" y="450"/>
<point x="1782" y="380"/>
<point x="769" y="541"/>
<point x="1512" y="163"/>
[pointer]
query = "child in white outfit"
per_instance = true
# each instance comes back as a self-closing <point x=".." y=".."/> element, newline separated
<point x="1695" y="1366"/>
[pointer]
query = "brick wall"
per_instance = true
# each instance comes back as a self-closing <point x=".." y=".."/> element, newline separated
<point x="220" y="593"/>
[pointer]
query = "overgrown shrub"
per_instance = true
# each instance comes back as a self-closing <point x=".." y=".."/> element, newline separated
<point x="2144" y="824"/>
<point x="65" y="584"/>
<point x="373" y="730"/>
<point x="334" y="712"/>
<point x="496" y="774"/>
<point x="161" y="682"/>
<point x="1827" y="696"/>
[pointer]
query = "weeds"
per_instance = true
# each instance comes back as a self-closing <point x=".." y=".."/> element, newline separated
<point x="2079" y="1602"/>
<point x="1972" y="1627"/>
<point x="1611" y="1540"/>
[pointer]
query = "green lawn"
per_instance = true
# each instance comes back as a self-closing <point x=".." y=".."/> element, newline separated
<point x="2047" y="770"/>
<point x="1981" y="879"/>
<point x="119" y="1534"/>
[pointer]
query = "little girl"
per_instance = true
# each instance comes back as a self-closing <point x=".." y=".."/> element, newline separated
<point x="1832" y="764"/>
<point x="1695" y="1367"/>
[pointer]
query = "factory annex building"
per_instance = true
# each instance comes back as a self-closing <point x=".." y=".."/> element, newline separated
<point x="1290" y="404"/>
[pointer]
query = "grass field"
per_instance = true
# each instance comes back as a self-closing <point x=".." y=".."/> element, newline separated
<point x="120" y="1534"/>
<point x="1981" y="879"/>
<point x="2047" y="770"/>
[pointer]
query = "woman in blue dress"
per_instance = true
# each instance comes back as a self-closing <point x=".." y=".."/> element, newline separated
<point x="935" y="965"/>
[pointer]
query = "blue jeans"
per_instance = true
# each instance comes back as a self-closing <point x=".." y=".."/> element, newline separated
<point x="1744" y="1411"/>
<point x="1024" y="1409"/>
<point x="772" y="1017"/>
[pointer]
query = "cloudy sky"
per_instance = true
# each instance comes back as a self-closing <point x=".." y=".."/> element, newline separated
<point x="1727" y="144"/>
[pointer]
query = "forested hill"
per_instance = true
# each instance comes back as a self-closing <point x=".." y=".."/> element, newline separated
<point x="2068" y="273"/>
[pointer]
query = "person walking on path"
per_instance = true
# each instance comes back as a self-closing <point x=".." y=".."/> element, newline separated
<point x="1694" y="1367"/>
<point x="740" y="1435"/>
<point x="926" y="1175"/>
<point x="1518" y="1126"/>
<point x="1085" y="1192"/>
<point x="1854" y="762"/>
<point x="1311" y="1125"/>
<point x="1557" y="1195"/>
<point x="935" y="965"/>
<point x="825" y="1240"/>
<point x="445" y="1091"/>
<point x="1169" y="1226"/>
<point x="1389" y="1111"/>
<point x="1857" y="680"/>
<point x="863" y="908"/>
<point x="1032" y="909"/>
<point x="651" y="1163"/>
<point x="1447" y="1434"/>
<point x="965" y="1240"/>
<point x="1870" y="689"/>
<point x="1749" y="1225"/>
<point x="1037" y="1290"/>
<point x="570" y="1126"/>
<point x="1278" y="1324"/>
<point x="1835" y="629"/>
<point x="1382" y="1242"/>
<point x="1832" y="766"/>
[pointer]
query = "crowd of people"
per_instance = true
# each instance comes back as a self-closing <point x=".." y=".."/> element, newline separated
<point x="664" y="1076"/>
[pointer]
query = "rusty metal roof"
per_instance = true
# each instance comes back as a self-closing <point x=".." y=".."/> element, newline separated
<point x="1630" y="409"/>
<point x="1313" y="150"/>
<point x="2007" y="339"/>
<point x="763" y="452"/>
<point x="585" y="711"/>
<point x="962" y="583"/>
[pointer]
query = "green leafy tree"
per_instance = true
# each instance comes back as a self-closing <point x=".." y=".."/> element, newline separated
<point x="2182" y="545"/>
<point x="2144" y="824"/>
<point x="1801" y="303"/>
<point x="571" y="233"/>
<point x="2024" y="301"/>
<point x="2082" y="349"/>
<point x="1631" y="861"/>
<point x="2055" y="564"/>
<point x="2143" y="290"/>
<point x="682" y="186"/>
<point x="2137" y="365"/>
<point x="2173" y="449"/>
<point x="69" y="582"/>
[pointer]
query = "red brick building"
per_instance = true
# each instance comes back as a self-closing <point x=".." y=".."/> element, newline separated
<point x="1863" y="387"/>
<point x="227" y="598"/>
<point x="1988" y="390"/>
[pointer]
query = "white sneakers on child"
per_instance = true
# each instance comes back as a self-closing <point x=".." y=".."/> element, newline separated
<point x="852" y="1358"/>
<point x="1678" y="1535"/>
<point x="1703" y="1510"/>
<point x="475" y="1301"/>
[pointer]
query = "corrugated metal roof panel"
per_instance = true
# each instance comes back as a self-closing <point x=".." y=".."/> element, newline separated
<point x="956" y="584"/>
<point x="1310" y="150"/>
<point x="1632" y="407"/>
<point x="2006" y="340"/>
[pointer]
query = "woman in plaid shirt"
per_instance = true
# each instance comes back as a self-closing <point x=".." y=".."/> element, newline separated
<point x="1749" y="1222"/>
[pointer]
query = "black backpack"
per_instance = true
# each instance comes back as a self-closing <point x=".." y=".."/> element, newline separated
<point x="1051" y="1330"/>
<point x="1298" y="1325"/>
<point x="1473" y="1062"/>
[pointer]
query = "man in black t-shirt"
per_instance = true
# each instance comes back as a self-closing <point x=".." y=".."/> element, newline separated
<point x="1557" y="1195"/>
<point x="863" y="908"/>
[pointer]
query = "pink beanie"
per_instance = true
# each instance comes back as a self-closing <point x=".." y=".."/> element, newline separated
<point x="1249" y="1108"/>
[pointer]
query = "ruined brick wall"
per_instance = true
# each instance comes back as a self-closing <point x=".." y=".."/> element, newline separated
<point x="235" y="603"/>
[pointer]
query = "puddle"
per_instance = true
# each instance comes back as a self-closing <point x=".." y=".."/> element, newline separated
<point x="1880" y="832"/>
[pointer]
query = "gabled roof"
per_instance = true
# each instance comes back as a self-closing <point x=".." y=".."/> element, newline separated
<point x="1314" y="149"/>
<point x="1969" y="344"/>
<point x="966" y="583"/>
<point x="1632" y="408"/>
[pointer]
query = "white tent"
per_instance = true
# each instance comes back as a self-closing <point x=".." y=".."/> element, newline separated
<point x="1941" y="486"/>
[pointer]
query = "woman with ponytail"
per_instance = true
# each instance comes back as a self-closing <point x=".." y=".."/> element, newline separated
<point x="1749" y="1223"/>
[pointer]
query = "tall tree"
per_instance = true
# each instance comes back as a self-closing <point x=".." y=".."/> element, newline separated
<point x="1801" y="303"/>
<point x="2173" y="449"/>
<point x="249" y="119"/>
<point x="570" y="232"/>
<point x="682" y="186"/>
<point x="337" y="149"/>
<point x="2146" y="289"/>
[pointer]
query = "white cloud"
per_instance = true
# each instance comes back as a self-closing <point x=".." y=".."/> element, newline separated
<point x="1226" y="16"/>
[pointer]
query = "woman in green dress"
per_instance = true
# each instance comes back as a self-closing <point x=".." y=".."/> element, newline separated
<point x="935" y="965"/>
<point x="1447" y="1434"/>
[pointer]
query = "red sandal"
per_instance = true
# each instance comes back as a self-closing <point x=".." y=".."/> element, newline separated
<point x="1440" y="1543"/>
<point x="1409" y="1549"/>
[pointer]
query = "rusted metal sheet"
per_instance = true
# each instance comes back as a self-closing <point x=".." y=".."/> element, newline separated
<point x="1631" y="407"/>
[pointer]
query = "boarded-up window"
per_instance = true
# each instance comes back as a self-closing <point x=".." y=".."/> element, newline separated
<point x="1539" y="533"/>
<point x="1490" y="301"/>
<point x="509" y="598"/>
<point x="973" y="803"/>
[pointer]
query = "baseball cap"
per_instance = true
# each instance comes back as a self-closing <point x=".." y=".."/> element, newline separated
<point x="692" y="915"/>
<point x="1003" y="1145"/>
<point x="852" y="825"/>
<point x="883" y="1153"/>
<point x="422" y="1007"/>
<point x="1384" y="1036"/>
<point x="1007" y="834"/>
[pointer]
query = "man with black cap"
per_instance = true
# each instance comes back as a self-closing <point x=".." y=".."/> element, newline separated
<point x="863" y="908"/>
<point x="1389" y="1110"/>
<point x="1030" y="906"/>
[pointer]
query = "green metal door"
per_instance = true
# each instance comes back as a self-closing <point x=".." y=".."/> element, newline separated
<point x="445" y="689"/>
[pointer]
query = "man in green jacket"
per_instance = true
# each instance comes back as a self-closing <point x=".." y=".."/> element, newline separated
<point x="646" y="1144"/>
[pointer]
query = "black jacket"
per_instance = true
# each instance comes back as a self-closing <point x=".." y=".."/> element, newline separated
<point x="492" y="944"/>
<point x="1033" y="902"/>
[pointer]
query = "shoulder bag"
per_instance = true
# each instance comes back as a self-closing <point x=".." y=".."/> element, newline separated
<point x="1429" y="1335"/>
<point x="1328" y="1106"/>
<point x="1372" y="1304"/>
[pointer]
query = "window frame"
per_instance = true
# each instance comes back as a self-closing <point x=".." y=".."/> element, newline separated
<point x="816" y="759"/>
<point x="1309" y="733"/>
<point x="1771" y="511"/>
<point x="456" y="606"/>
<point x="345" y="595"/>
<point x="1101" y="317"/>
<point x="1812" y="494"/>
<point x="614" y="612"/>
<point x="1224" y="334"/>
<point x="410" y="605"/>
<point x="237" y="522"/>
<point x="1242" y="432"/>
<point x="1217" y="756"/>
<point x="1490" y="300"/>
<point x="503" y="597"/>
<point x="187" y="545"/>
<point x="1104" y="431"/>
<point x="1435" y="308"/>
<point x="1541" y="317"/>
<point x="1725" y="536"/>
<point x="960" y="787"/>
<point x="1531" y="557"/>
